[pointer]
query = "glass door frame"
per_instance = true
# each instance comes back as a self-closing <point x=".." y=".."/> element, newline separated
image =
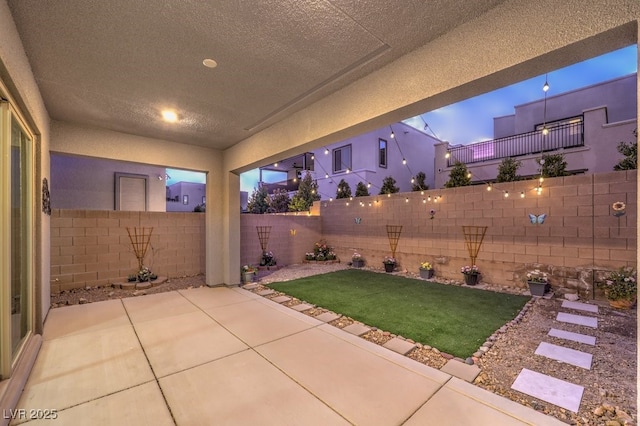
<point x="8" y="357"/>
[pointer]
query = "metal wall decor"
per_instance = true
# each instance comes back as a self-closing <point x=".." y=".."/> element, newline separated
<point x="473" y="237"/>
<point x="393" y="233"/>
<point x="537" y="220"/>
<point x="46" y="197"/>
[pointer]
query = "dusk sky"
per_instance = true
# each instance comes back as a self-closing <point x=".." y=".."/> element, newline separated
<point x="477" y="113"/>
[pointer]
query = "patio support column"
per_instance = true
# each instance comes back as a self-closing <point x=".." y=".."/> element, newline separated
<point x="230" y="234"/>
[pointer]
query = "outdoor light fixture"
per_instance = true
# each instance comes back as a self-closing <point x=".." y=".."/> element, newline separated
<point x="388" y="195"/>
<point x="424" y="201"/>
<point x="313" y="157"/>
<point x="350" y="198"/>
<point x="469" y="175"/>
<point x="429" y="198"/>
<point x="326" y="151"/>
<point x="521" y="194"/>
<point x="275" y="164"/>
<point x="404" y="161"/>
<point x="393" y="135"/>
<point x="368" y="184"/>
<point x="489" y="187"/>
<point x="169" y="116"/>
<point x="545" y="131"/>
<point x="406" y="200"/>
<point x="506" y="194"/>
<point x="412" y="180"/>
<point x="326" y="175"/>
<point x="447" y="155"/>
<point x="347" y="171"/>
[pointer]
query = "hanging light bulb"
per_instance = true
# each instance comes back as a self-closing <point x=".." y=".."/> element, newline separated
<point x="388" y="195"/>
<point x="347" y="170"/>
<point x="421" y="192"/>
<point x="347" y="203"/>
<point x="406" y="200"/>
<point x="368" y="184"/>
<point x="468" y="175"/>
<point x="447" y="155"/>
<point x="545" y="131"/>
<point x="393" y="135"/>
<point x="521" y="194"/>
<point x="350" y="198"/>
<point x="506" y="194"/>
<point x="413" y="180"/>
<point x="275" y="164"/>
<point x="489" y="187"/>
<point x="326" y="151"/>
<point x="545" y="88"/>
<point x="429" y="198"/>
<point x="369" y="203"/>
<point x="313" y="191"/>
<point x="541" y="179"/>
<point x="326" y="175"/>
<point x="313" y="157"/>
<point x="295" y="180"/>
<point x="424" y="201"/>
<point x="330" y="198"/>
<point x="404" y="161"/>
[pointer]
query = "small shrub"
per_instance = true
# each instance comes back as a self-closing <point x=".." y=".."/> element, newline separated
<point x="630" y="152"/>
<point x="362" y="190"/>
<point x="552" y="165"/>
<point x="508" y="170"/>
<point x="343" y="190"/>
<point x="389" y="186"/>
<point x="419" y="184"/>
<point x="459" y="176"/>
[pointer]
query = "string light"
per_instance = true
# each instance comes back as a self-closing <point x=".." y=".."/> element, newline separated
<point x="413" y="180"/>
<point x="468" y="175"/>
<point x="424" y="201"/>
<point x="313" y="157"/>
<point x="506" y="194"/>
<point x="368" y="184"/>
<point x="326" y="151"/>
<point x="393" y="135"/>
<point x="275" y="164"/>
<point x="429" y="198"/>
<point x="421" y="192"/>
<point x="489" y="187"/>
<point x="447" y="155"/>
<point x="404" y="161"/>
<point x="406" y="200"/>
<point x="521" y="194"/>
<point x="388" y="195"/>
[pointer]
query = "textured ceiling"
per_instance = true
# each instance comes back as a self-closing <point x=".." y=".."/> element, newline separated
<point x="116" y="64"/>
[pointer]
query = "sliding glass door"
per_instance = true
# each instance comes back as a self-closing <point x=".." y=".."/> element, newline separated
<point x="16" y="271"/>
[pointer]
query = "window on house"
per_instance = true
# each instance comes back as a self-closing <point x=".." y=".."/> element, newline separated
<point x="382" y="153"/>
<point x="342" y="159"/>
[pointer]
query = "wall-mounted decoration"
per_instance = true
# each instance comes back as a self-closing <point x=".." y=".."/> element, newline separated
<point x="46" y="197"/>
<point x="393" y="233"/>
<point x="432" y="214"/>
<point x="619" y="208"/>
<point x="537" y="220"/>
<point x="357" y="220"/>
<point x="473" y="237"/>
<point x="185" y="199"/>
<point x="293" y="232"/>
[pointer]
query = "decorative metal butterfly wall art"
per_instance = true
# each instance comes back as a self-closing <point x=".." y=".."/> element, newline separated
<point x="537" y="220"/>
<point x="357" y="220"/>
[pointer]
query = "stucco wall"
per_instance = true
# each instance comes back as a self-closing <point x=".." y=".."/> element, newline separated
<point x="89" y="183"/>
<point x="92" y="247"/>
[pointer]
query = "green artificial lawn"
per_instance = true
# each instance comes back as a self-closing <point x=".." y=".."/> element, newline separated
<point x="453" y="319"/>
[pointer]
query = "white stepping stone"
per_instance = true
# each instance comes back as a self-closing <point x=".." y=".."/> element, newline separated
<point x="580" y="306"/>
<point x="301" y="307"/>
<point x="567" y="355"/>
<point x="250" y="286"/>
<point x="266" y="292"/>
<point x="555" y="391"/>
<point x="577" y="319"/>
<point x="576" y="337"/>
<point x="357" y="329"/>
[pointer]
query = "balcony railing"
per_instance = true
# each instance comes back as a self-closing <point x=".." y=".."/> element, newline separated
<point x="567" y="135"/>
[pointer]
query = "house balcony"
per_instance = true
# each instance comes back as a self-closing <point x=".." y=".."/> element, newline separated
<point x="566" y="135"/>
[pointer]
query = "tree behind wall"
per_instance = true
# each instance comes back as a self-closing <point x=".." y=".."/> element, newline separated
<point x="306" y="195"/>
<point x="279" y="201"/>
<point x="343" y="190"/>
<point x="630" y="152"/>
<point x="459" y="176"/>
<point x="362" y="190"/>
<point x="389" y="186"/>
<point x="552" y="165"/>
<point x="419" y="184"/>
<point x="259" y="200"/>
<point x="508" y="170"/>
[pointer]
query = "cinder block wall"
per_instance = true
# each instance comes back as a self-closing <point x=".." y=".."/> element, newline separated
<point x="92" y="247"/>
<point x="579" y="239"/>
<point x="290" y="238"/>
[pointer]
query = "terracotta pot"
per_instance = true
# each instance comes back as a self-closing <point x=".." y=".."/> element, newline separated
<point x="622" y="303"/>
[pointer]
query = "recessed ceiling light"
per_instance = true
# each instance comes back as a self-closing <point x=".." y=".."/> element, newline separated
<point x="169" y="116"/>
<point x="209" y="63"/>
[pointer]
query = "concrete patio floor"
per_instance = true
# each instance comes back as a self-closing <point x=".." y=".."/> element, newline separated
<point x="228" y="356"/>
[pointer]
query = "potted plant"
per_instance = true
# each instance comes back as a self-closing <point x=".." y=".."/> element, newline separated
<point x="309" y="256"/>
<point x="389" y="263"/>
<point x="357" y="261"/>
<point x="248" y="272"/>
<point x="471" y="274"/>
<point x="538" y="282"/>
<point x="621" y="288"/>
<point x="267" y="259"/>
<point x="426" y="270"/>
